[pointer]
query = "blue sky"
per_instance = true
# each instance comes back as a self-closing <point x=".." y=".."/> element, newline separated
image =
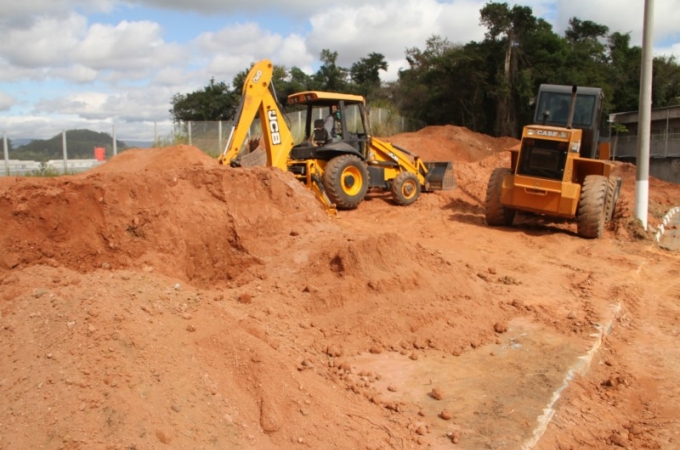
<point x="94" y="63"/>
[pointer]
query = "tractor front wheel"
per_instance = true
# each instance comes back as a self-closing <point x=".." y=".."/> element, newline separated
<point x="497" y="214"/>
<point x="591" y="206"/>
<point x="345" y="180"/>
<point x="405" y="188"/>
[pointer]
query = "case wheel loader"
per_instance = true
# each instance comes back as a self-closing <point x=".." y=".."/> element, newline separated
<point x="340" y="167"/>
<point x="560" y="168"/>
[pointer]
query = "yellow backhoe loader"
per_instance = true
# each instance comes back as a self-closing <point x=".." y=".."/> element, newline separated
<point x="560" y="168"/>
<point x="338" y="157"/>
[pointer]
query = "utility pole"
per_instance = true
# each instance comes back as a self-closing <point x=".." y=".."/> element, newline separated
<point x="644" y="118"/>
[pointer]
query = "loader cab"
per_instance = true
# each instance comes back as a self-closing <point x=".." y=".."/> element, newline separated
<point x="550" y="110"/>
<point x="348" y="134"/>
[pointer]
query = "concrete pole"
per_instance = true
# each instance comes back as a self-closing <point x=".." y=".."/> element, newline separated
<point x="63" y="146"/>
<point x="189" y="131"/>
<point x="6" y="151"/>
<point x="645" y="115"/>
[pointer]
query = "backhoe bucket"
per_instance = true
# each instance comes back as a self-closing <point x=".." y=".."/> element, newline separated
<point x="439" y="176"/>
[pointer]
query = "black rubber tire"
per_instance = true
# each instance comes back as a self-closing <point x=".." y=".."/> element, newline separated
<point x="591" y="206"/>
<point x="496" y="213"/>
<point x="612" y="198"/>
<point x="345" y="179"/>
<point x="405" y="188"/>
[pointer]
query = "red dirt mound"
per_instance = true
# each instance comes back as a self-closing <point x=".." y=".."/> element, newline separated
<point x="451" y="143"/>
<point x="173" y="209"/>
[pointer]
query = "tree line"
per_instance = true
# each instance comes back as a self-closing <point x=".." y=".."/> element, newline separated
<point x="487" y="86"/>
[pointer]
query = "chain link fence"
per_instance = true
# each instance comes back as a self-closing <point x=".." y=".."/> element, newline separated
<point x="210" y="137"/>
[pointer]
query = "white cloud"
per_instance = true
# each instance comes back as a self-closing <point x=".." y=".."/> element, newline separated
<point x="132" y="104"/>
<point x="128" y="45"/>
<point x="290" y="7"/>
<point x="6" y="101"/>
<point x="46" y="42"/>
<point x="233" y="49"/>
<point x="24" y="10"/>
<point x="76" y="73"/>
<point x="391" y="28"/>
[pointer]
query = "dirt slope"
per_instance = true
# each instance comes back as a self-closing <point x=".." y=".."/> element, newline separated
<point x="162" y="301"/>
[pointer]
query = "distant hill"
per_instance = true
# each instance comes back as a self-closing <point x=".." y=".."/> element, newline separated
<point x="19" y="142"/>
<point x="80" y="144"/>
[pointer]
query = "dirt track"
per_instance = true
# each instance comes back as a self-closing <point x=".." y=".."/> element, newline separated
<point x="162" y="301"/>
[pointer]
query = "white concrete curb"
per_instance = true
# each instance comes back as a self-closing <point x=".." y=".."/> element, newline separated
<point x="581" y="367"/>
<point x="667" y="218"/>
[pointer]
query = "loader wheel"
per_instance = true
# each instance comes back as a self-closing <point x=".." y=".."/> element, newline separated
<point x="614" y="186"/>
<point x="345" y="179"/>
<point x="591" y="206"/>
<point x="405" y="188"/>
<point x="496" y="213"/>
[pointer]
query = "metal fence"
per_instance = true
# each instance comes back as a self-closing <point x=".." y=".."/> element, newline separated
<point x="210" y="137"/>
<point x="661" y="145"/>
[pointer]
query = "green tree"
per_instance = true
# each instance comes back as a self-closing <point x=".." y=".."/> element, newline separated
<point x="330" y="76"/>
<point x="666" y="81"/>
<point x="624" y="73"/>
<point x="510" y="27"/>
<point x="365" y="73"/>
<point x="214" y="102"/>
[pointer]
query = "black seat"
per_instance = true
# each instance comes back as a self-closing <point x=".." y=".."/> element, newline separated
<point x="320" y="133"/>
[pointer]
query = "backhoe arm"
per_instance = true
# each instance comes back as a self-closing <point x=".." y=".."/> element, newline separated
<point x="257" y="99"/>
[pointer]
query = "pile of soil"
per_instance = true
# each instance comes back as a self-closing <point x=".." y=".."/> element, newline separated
<point x="164" y="301"/>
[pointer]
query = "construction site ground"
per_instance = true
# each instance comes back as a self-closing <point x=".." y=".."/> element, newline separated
<point x="163" y="301"/>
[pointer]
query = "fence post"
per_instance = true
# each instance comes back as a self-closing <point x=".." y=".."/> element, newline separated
<point x="63" y="144"/>
<point x="4" y="147"/>
<point x="189" y="129"/>
<point x="115" y="147"/>
<point x="155" y="134"/>
<point x="219" y="136"/>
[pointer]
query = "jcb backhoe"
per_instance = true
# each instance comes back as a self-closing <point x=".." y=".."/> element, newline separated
<point x="340" y="165"/>
<point x="560" y="167"/>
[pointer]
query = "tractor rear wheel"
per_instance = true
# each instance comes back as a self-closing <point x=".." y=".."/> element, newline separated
<point x="345" y="180"/>
<point x="496" y="213"/>
<point x="405" y="188"/>
<point x="591" y="206"/>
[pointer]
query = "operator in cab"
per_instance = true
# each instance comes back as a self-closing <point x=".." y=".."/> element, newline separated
<point x="332" y="123"/>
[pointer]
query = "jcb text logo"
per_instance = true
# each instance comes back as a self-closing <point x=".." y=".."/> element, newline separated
<point x="274" y="127"/>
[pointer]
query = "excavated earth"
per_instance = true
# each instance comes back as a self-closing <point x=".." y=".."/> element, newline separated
<point x="164" y="301"/>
